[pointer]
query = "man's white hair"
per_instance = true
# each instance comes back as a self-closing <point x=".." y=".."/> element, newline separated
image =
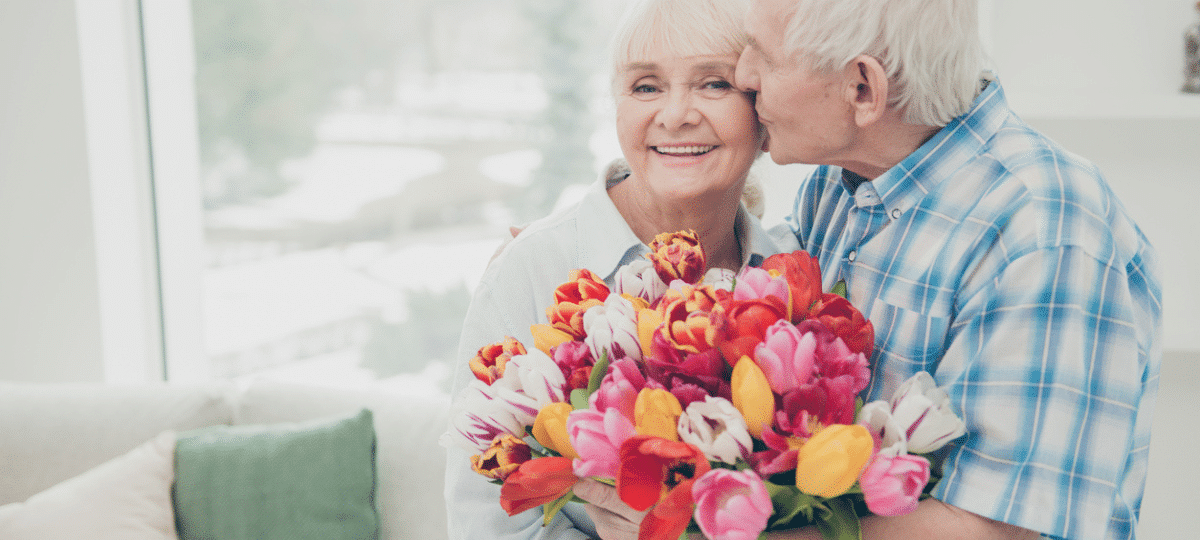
<point x="683" y="27"/>
<point x="930" y="49"/>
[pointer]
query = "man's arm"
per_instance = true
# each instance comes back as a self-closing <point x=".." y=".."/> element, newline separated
<point x="932" y="520"/>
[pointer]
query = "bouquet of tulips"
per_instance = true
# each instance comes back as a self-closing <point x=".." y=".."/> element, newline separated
<point x="724" y="403"/>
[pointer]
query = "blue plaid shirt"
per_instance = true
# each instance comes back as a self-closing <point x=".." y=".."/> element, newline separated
<point x="1005" y="266"/>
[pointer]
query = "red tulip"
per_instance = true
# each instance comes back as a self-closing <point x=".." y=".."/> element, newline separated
<point x="846" y="322"/>
<point x="537" y="482"/>
<point x="803" y="275"/>
<point x="742" y="324"/>
<point x="670" y="517"/>
<point x="651" y="467"/>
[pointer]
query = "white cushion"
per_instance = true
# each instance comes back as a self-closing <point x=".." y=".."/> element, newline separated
<point x="52" y="432"/>
<point x="127" y="498"/>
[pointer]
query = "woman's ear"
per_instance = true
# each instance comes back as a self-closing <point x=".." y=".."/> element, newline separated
<point x="867" y="89"/>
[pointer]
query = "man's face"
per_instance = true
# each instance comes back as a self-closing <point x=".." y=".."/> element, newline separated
<point x="806" y="113"/>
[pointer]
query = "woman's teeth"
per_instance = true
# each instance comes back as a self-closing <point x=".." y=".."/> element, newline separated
<point x="683" y="150"/>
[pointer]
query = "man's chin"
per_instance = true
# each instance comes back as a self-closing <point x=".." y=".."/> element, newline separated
<point x="780" y="158"/>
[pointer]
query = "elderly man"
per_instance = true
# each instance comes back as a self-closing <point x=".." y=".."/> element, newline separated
<point x="983" y="252"/>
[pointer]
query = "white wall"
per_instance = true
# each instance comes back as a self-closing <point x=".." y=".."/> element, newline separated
<point x="78" y="288"/>
<point x="49" y="304"/>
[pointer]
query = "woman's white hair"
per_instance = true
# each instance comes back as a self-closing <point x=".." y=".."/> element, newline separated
<point x="685" y="27"/>
<point x="930" y="49"/>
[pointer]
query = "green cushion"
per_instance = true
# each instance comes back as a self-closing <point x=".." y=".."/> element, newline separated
<point x="283" y="481"/>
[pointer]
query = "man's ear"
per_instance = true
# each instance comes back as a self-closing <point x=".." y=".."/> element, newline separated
<point x="867" y="89"/>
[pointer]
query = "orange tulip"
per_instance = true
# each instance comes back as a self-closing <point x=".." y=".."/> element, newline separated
<point x="582" y="291"/>
<point x="488" y="364"/>
<point x="687" y="323"/>
<point x="504" y="456"/>
<point x="678" y="255"/>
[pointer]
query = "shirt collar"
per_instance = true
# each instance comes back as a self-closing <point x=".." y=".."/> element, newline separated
<point x="952" y="147"/>
<point x="606" y="242"/>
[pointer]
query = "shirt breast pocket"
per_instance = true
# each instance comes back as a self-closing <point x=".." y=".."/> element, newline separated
<point x="910" y="336"/>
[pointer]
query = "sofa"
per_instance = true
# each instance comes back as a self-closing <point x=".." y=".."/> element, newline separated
<point x="51" y="434"/>
<point x="59" y="441"/>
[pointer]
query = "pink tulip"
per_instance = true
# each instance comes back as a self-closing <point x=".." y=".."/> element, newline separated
<point x="754" y="283"/>
<point x="597" y="438"/>
<point x="787" y="356"/>
<point x="619" y="388"/>
<point x="892" y="485"/>
<point x="731" y="505"/>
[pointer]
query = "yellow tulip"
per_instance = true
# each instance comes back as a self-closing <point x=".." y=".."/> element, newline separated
<point x="546" y="337"/>
<point x="638" y="302"/>
<point x="830" y="462"/>
<point x="656" y="412"/>
<point x="550" y="429"/>
<point x="752" y="396"/>
<point x="648" y="321"/>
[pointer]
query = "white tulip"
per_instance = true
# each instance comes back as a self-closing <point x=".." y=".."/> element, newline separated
<point x="612" y="329"/>
<point x="482" y="412"/>
<point x="639" y="279"/>
<point x="923" y="411"/>
<point x="716" y="428"/>
<point x="535" y="375"/>
<point x="876" y="416"/>
<point x="720" y="278"/>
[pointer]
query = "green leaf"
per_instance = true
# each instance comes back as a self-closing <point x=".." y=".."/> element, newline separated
<point x="599" y="370"/>
<point x="789" y="503"/>
<point x="837" y="521"/>
<point x="840" y="289"/>
<point x="551" y="508"/>
<point x="579" y="398"/>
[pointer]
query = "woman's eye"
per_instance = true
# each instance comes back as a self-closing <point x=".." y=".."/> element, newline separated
<point x="644" y="89"/>
<point x="717" y="85"/>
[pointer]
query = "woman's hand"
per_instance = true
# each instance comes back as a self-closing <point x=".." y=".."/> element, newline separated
<point x="614" y="519"/>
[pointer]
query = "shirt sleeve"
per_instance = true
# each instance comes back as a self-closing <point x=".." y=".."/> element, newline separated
<point x="1053" y="365"/>
<point x="472" y="503"/>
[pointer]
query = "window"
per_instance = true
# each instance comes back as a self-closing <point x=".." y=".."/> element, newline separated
<point x="345" y="169"/>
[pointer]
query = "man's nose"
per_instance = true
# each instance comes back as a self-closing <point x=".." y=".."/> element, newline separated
<point x="745" y="77"/>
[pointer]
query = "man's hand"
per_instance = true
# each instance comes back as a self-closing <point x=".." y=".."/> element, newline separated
<point x="512" y="230"/>
<point x="614" y="519"/>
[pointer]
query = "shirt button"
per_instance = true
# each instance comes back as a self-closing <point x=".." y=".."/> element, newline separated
<point x="896" y="213"/>
<point x="851" y="256"/>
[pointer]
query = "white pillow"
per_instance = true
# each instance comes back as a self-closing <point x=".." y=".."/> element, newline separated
<point x="127" y="498"/>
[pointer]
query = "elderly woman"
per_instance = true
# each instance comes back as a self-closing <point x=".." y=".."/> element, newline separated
<point x="689" y="138"/>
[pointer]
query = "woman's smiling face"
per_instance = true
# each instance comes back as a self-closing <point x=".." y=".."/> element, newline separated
<point x="683" y="126"/>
